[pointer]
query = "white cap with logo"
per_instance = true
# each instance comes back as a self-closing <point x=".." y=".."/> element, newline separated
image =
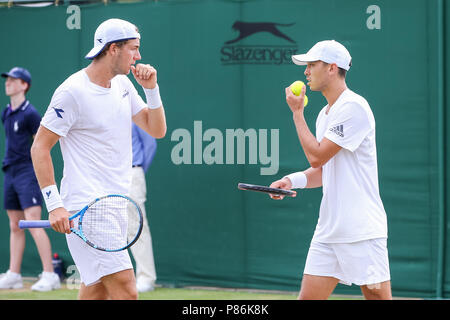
<point x="112" y="30"/>
<point x="329" y="51"/>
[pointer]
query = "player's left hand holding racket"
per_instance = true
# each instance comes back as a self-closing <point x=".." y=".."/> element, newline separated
<point x="110" y="223"/>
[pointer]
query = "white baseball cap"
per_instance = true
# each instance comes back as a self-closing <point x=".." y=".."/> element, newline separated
<point x="112" y="30"/>
<point x="329" y="51"/>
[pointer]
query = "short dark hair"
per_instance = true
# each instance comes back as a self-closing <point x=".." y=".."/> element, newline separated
<point x="341" y="72"/>
<point x="28" y="85"/>
<point x="102" y="53"/>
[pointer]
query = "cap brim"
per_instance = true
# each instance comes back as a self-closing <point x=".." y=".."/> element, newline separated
<point x="12" y="75"/>
<point x="94" y="52"/>
<point x="303" y="59"/>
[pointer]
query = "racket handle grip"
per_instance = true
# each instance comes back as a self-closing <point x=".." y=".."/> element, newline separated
<point x="24" y="224"/>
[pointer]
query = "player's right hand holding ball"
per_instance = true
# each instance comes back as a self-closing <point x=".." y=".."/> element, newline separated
<point x="284" y="183"/>
<point x="296" y="97"/>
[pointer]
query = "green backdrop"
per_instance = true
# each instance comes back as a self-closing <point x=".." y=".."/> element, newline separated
<point x="207" y="232"/>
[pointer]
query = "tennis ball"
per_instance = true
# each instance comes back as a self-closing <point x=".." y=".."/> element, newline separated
<point x="296" y="88"/>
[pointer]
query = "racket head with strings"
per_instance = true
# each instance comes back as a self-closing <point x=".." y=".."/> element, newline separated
<point x="110" y="223"/>
<point x="273" y="191"/>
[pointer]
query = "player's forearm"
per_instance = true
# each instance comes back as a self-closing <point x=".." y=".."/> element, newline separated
<point x="153" y="122"/>
<point x="310" y="178"/>
<point x="154" y="118"/>
<point x="158" y="122"/>
<point x="307" y="140"/>
<point x="314" y="177"/>
<point x="43" y="165"/>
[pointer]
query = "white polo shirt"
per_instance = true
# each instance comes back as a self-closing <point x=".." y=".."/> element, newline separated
<point x="351" y="209"/>
<point x="95" y="128"/>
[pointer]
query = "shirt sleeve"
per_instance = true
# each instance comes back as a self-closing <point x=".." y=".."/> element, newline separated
<point x="350" y="127"/>
<point x="61" y="114"/>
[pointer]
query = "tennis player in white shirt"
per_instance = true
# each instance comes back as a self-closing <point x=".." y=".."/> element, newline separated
<point x="349" y="245"/>
<point x="90" y="114"/>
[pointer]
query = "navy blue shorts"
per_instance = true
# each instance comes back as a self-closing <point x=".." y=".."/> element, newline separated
<point x="21" y="189"/>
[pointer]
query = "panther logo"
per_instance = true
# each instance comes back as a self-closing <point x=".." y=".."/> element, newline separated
<point x="247" y="29"/>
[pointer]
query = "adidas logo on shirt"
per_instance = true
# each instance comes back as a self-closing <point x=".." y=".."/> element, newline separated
<point x="339" y="130"/>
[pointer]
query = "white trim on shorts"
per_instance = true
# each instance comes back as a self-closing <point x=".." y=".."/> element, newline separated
<point x="362" y="263"/>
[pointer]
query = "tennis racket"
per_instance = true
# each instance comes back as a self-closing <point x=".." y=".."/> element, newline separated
<point x="110" y="223"/>
<point x="273" y="191"/>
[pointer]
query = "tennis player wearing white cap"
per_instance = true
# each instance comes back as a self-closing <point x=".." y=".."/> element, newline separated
<point x="350" y="240"/>
<point x="90" y="114"/>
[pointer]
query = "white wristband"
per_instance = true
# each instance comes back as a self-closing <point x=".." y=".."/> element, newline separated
<point x="298" y="180"/>
<point x="52" y="198"/>
<point x="153" y="97"/>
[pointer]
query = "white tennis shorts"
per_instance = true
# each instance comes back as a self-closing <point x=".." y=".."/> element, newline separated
<point x="93" y="264"/>
<point x="362" y="263"/>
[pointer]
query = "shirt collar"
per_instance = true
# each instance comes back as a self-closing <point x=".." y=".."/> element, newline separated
<point x="22" y="107"/>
